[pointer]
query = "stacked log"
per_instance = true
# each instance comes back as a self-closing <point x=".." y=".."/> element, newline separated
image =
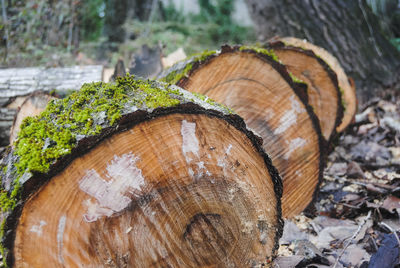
<point x="347" y="87"/>
<point x="252" y="82"/>
<point x="138" y="174"/>
<point x="323" y="89"/>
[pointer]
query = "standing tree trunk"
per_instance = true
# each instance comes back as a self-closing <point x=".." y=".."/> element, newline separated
<point x="347" y="29"/>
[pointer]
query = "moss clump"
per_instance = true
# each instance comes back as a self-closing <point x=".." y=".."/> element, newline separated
<point x="53" y="134"/>
<point x="268" y="52"/>
<point x="296" y="80"/>
<point x="175" y="76"/>
<point x="343" y="101"/>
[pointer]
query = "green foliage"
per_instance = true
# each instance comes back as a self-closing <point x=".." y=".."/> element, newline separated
<point x="396" y="43"/>
<point x="91" y="13"/>
<point x="388" y="12"/>
<point x="211" y="28"/>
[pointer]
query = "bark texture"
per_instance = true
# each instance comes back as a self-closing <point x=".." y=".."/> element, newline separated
<point x="6" y="121"/>
<point x="22" y="81"/>
<point x="347" y="29"/>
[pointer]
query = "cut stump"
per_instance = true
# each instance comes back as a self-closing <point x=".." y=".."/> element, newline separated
<point x="323" y="89"/>
<point x="259" y="89"/>
<point x="348" y="90"/>
<point x="171" y="181"/>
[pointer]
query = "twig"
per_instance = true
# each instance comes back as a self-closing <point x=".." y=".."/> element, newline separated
<point x="360" y="226"/>
<point x="391" y="230"/>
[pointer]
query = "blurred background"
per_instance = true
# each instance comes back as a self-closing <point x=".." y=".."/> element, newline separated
<point x="65" y="32"/>
<point x="363" y="34"/>
<point x="74" y="32"/>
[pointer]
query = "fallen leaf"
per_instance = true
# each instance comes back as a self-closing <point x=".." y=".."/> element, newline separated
<point x="391" y="203"/>
<point x="291" y="233"/>
<point x="287" y="261"/>
<point x="387" y="254"/>
<point x="354" y="171"/>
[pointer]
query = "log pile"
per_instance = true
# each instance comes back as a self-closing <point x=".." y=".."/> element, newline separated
<point x="255" y="85"/>
<point x="146" y="174"/>
<point x="287" y="94"/>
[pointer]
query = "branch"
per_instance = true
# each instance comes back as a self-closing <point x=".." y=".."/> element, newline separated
<point x="351" y="238"/>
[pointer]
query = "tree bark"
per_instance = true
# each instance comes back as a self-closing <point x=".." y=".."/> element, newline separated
<point x="6" y="121"/>
<point x="260" y="89"/>
<point x="22" y="81"/>
<point x="347" y="29"/>
<point x="173" y="182"/>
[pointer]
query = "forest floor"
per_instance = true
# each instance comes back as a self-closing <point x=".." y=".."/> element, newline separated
<point x="355" y="220"/>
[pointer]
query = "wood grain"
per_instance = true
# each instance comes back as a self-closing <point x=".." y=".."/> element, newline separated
<point x="323" y="91"/>
<point x="349" y="92"/>
<point x="249" y="83"/>
<point x="177" y="191"/>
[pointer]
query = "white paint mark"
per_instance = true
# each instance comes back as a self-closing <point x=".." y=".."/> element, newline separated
<point x="60" y="237"/>
<point x="128" y="230"/>
<point x="190" y="144"/>
<point x="191" y="172"/>
<point x="289" y="118"/>
<point x="112" y="196"/>
<point x="200" y="165"/>
<point x="228" y="149"/>
<point x="299" y="173"/>
<point x="269" y="114"/>
<point x="38" y="229"/>
<point x="294" y="145"/>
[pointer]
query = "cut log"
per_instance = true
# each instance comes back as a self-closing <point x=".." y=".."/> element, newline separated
<point x="22" y="81"/>
<point x="33" y="105"/>
<point x="348" y="90"/>
<point x="6" y="120"/>
<point x="258" y="88"/>
<point x="323" y="89"/>
<point x="138" y="174"/>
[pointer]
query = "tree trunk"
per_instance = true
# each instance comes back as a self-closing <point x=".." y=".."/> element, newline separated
<point x="347" y="29"/>
<point x="261" y="90"/>
<point x="160" y="179"/>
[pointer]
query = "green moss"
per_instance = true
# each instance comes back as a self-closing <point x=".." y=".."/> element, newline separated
<point x="344" y="104"/>
<point x="175" y="76"/>
<point x="41" y="142"/>
<point x="295" y="79"/>
<point x="261" y="50"/>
